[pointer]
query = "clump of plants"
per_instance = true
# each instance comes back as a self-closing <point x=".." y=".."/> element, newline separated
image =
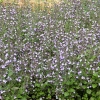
<point x="50" y="56"/>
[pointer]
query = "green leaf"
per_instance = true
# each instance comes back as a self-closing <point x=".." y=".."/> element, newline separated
<point x="72" y="80"/>
<point x="91" y="59"/>
<point x="88" y="91"/>
<point x="85" y="82"/>
<point x="7" y="98"/>
<point x="98" y="97"/>
<point x="95" y="74"/>
<point x="15" y="88"/>
<point x="92" y="98"/>
<point x="98" y="93"/>
<point x="24" y="98"/>
<point x="66" y="94"/>
<point x="49" y="96"/>
<point x="10" y="72"/>
<point x="99" y="68"/>
<point x="86" y="95"/>
<point x="68" y="82"/>
<point x="84" y="86"/>
<point x="77" y="87"/>
<point x="71" y="90"/>
<point x="93" y="94"/>
<point x="41" y="93"/>
<point x="37" y="85"/>
<point x="70" y="75"/>
<point x="19" y="96"/>
<point x="0" y="87"/>
<point x="94" y="85"/>
<point x="20" y="91"/>
<point x="33" y="96"/>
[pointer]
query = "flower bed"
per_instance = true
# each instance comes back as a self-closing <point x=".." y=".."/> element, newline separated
<point x="50" y="56"/>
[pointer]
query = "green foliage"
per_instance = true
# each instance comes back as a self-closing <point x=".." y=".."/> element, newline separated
<point x="68" y="25"/>
<point x="43" y="90"/>
<point x="14" y="90"/>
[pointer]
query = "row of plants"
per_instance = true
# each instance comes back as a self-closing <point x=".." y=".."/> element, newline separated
<point x="50" y="56"/>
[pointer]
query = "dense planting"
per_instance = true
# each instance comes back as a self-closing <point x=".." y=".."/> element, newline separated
<point x="50" y="56"/>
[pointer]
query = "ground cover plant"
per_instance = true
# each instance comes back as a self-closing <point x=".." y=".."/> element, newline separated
<point x="50" y="56"/>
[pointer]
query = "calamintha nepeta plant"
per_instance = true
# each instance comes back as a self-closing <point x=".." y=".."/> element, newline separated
<point x="40" y="51"/>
